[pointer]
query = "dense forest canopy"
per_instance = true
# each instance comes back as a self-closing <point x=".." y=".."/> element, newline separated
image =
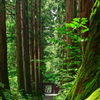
<point x="49" y="47"/>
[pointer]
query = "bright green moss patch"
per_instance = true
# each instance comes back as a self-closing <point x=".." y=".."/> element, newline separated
<point x="95" y="95"/>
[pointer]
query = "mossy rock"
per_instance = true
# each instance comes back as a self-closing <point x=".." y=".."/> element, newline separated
<point x="95" y="95"/>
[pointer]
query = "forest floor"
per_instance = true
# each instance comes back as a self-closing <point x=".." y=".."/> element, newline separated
<point x="50" y="96"/>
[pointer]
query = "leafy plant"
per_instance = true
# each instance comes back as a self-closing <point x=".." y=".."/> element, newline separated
<point x="64" y="77"/>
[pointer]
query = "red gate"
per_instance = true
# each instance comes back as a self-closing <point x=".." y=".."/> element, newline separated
<point x="54" y="88"/>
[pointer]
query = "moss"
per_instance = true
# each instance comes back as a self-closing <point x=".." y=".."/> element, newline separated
<point x="85" y="83"/>
<point x="95" y="95"/>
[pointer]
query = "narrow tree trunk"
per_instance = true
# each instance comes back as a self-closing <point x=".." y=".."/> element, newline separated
<point x="25" y="46"/>
<point x="19" y="49"/>
<point x="35" y="46"/>
<point x="70" y="14"/>
<point x="32" y="45"/>
<point x="39" y="49"/>
<point x="3" y="49"/>
<point x="88" y="77"/>
<point x="41" y="55"/>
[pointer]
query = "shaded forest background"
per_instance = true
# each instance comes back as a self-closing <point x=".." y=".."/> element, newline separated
<point x="49" y="41"/>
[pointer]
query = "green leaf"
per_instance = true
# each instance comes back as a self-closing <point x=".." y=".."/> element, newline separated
<point x="85" y="30"/>
<point x="76" y="19"/>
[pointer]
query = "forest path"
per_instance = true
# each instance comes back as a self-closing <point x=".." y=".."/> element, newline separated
<point x="50" y="96"/>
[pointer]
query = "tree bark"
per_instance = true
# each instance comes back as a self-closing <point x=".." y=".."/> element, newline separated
<point x="3" y="49"/>
<point x="70" y="14"/>
<point x="39" y="49"/>
<point x="19" y="49"/>
<point x="32" y="45"/>
<point x="35" y="47"/>
<point x="85" y="7"/>
<point x="25" y="46"/>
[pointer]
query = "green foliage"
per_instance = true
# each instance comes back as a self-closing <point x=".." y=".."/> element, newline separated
<point x="17" y="96"/>
<point x="95" y="7"/>
<point x="64" y="77"/>
<point x="11" y="46"/>
<point x="11" y="50"/>
<point x="54" y="43"/>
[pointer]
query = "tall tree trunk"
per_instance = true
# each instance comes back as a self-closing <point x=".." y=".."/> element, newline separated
<point x="32" y="45"/>
<point x="84" y="12"/>
<point x="19" y="48"/>
<point x="88" y="77"/>
<point x="41" y="56"/>
<point x="3" y="48"/>
<point x="39" y="49"/>
<point x="25" y="46"/>
<point x="70" y="14"/>
<point x="35" y="46"/>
